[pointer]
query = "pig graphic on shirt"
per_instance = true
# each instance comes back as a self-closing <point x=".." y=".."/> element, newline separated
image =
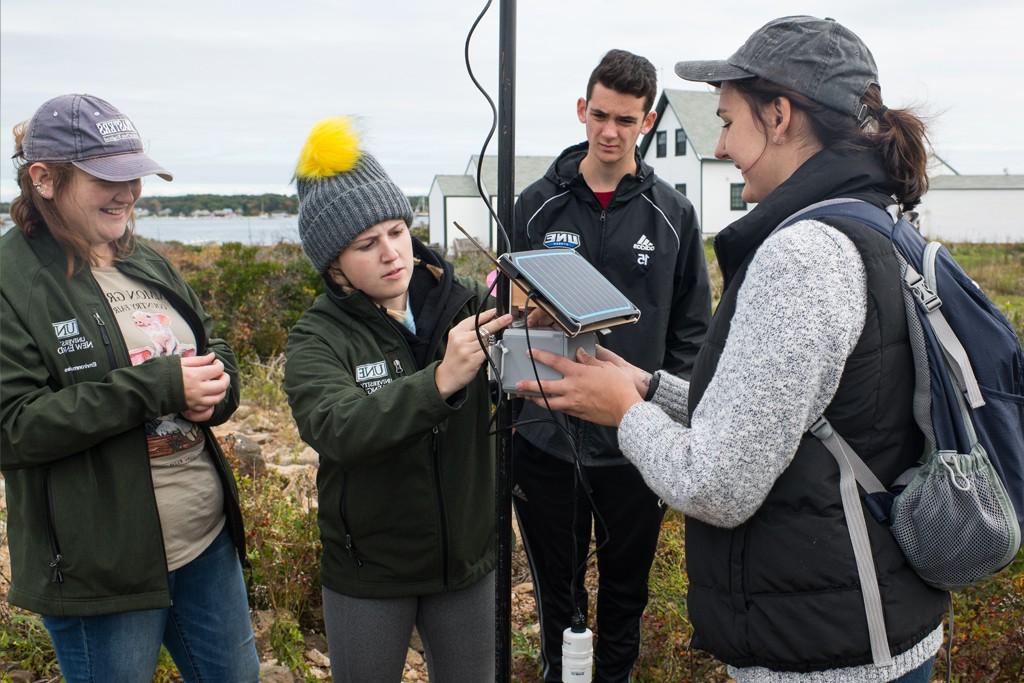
<point x="157" y="327"/>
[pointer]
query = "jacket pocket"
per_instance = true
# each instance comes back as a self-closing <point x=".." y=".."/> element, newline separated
<point x="56" y="570"/>
<point x="350" y="546"/>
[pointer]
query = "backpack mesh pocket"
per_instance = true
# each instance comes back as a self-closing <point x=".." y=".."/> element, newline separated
<point x="954" y="520"/>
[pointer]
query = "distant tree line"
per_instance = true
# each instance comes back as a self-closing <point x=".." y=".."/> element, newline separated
<point x="241" y="204"/>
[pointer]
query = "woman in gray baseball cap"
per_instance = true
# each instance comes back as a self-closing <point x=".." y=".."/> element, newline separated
<point x="811" y="323"/>
<point x="124" y="526"/>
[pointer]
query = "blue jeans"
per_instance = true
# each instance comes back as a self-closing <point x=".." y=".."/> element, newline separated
<point x="207" y="629"/>
<point x="921" y="674"/>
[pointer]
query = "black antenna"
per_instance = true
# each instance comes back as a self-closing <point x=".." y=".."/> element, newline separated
<point x="506" y="200"/>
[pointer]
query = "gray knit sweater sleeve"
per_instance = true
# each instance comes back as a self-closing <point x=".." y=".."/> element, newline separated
<point x="798" y="316"/>
<point x="673" y="396"/>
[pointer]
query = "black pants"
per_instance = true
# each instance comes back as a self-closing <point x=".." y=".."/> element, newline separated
<point x="543" y="498"/>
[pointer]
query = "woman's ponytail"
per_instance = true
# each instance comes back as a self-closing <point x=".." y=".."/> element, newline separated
<point x="899" y="136"/>
<point x="901" y="140"/>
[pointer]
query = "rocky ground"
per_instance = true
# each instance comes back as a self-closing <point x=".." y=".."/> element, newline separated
<point x="262" y="440"/>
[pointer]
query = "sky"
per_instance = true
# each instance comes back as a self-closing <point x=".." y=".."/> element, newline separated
<point x="225" y="91"/>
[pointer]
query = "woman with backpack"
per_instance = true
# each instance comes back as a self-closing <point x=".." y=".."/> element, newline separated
<point x="385" y="380"/>
<point x="124" y="526"/>
<point x="811" y="324"/>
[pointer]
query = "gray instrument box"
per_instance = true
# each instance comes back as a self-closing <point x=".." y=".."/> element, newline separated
<point x="512" y="357"/>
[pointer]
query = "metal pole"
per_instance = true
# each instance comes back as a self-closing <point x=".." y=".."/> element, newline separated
<point x="506" y="201"/>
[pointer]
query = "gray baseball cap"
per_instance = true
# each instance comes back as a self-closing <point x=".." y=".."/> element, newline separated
<point x="92" y="135"/>
<point x="818" y="58"/>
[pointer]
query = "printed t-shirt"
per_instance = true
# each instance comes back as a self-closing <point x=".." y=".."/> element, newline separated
<point x="189" y="496"/>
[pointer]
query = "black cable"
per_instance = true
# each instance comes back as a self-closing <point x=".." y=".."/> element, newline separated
<point x="490" y="134"/>
<point x="484" y="345"/>
<point x="580" y="475"/>
<point x="949" y="646"/>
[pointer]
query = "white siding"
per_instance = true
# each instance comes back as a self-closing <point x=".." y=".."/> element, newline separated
<point x="715" y="211"/>
<point x="471" y="213"/>
<point x="974" y="215"/>
<point x="670" y="168"/>
<point x="436" y="200"/>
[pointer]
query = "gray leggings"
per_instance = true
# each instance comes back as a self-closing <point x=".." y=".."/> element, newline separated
<point x="367" y="638"/>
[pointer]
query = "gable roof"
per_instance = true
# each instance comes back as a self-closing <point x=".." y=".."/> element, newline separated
<point x="976" y="182"/>
<point x="456" y="185"/>
<point x="695" y="110"/>
<point x="527" y="170"/>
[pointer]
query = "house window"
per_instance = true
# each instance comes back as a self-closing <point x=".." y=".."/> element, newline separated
<point x="736" y="202"/>
<point x="681" y="188"/>
<point x="680" y="142"/>
<point x="662" y="143"/>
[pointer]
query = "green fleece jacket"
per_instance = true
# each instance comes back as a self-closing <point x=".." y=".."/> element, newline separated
<point x="83" y="526"/>
<point x="406" y="478"/>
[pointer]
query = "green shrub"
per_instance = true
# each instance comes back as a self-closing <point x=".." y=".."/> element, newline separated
<point x="254" y="294"/>
<point x="665" y="654"/>
<point x="263" y="384"/>
<point x="282" y="546"/>
<point x="473" y="265"/>
<point x="287" y="643"/>
<point x="988" y="634"/>
<point x="25" y="643"/>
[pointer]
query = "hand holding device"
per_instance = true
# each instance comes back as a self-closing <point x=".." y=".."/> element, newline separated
<point x="641" y="378"/>
<point x="595" y="390"/>
<point x="464" y="354"/>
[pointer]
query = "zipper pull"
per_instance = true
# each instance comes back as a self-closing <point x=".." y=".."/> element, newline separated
<point x="352" y="550"/>
<point x="398" y="367"/>
<point x="56" y="575"/>
<point x="103" y="327"/>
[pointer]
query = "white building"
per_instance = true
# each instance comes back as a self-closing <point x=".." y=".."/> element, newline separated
<point x="681" y="150"/>
<point x="455" y="198"/>
<point x="974" y="208"/>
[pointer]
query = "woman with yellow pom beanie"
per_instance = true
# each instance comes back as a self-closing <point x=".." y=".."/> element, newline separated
<point x="385" y="380"/>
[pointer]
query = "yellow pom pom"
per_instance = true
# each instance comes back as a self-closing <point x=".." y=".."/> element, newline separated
<point x="331" y="148"/>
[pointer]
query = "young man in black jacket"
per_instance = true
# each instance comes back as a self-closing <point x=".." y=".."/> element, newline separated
<point x="599" y="198"/>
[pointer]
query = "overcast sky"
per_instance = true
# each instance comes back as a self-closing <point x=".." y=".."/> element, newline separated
<point x="224" y="91"/>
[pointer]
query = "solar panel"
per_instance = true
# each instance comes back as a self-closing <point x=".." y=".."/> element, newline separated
<point x="583" y="298"/>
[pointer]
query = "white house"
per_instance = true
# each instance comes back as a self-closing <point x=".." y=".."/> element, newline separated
<point x="455" y="198"/>
<point x="681" y="149"/>
<point x="974" y="208"/>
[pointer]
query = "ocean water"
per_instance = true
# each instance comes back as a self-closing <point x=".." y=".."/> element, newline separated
<point x="254" y="230"/>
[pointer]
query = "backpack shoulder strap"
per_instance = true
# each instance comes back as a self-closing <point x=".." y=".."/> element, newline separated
<point x="924" y="288"/>
<point x="852" y="471"/>
<point x="844" y="207"/>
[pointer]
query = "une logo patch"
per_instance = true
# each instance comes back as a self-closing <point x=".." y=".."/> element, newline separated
<point x="371" y="371"/>
<point x="559" y="239"/>
<point x="66" y="328"/>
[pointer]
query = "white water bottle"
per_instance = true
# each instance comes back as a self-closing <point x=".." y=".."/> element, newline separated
<point x="577" y="655"/>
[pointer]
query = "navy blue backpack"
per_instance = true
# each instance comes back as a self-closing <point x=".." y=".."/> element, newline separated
<point x="957" y="515"/>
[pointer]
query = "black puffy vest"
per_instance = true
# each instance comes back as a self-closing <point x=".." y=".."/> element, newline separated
<point x="781" y="590"/>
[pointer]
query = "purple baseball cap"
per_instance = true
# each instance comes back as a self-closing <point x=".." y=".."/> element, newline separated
<point x="92" y="135"/>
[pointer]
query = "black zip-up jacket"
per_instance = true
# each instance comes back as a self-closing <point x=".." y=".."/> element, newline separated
<point x="406" y="478"/>
<point x="648" y="244"/>
<point x="83" y="525"/>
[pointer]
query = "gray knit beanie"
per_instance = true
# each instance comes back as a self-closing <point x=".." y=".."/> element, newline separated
<point x="338" y="199"/>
